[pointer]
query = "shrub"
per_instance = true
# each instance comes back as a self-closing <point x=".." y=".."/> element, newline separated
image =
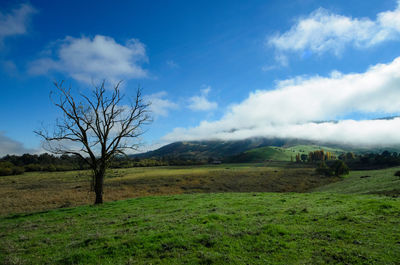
<point x="18" y="170"/>
<point x="8" y="168"/>
<point x="323" y="169"/>
<point x="50" y="168"/>
<point x="5" y="171"/>
<point x="33" y="167"/>
<point x="6" y="164"/>
<point x="339" y="168"/>
<point x="397" y="173"/>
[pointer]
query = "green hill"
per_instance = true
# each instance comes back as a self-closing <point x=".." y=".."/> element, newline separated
<point x="205" y="149"/>
<point x="224" y="149"/>
<point x="251" y="150"/>
<point x="275" y="153"/>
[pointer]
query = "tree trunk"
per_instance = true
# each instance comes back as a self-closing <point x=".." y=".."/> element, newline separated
<point x="98" y="187"/>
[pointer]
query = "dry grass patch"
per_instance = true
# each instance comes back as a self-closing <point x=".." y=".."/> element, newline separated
<point x="42" y="191"/>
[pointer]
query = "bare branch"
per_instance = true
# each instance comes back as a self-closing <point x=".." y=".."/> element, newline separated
<point x="98" y="125"/>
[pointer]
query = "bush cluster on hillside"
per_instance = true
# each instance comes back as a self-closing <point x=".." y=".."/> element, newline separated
<point x="315" y="156"/>
<point x="353" y="161"/>
<point x="336" y="168"/>
<point x="371" y="160"/>
<point x="8" y="168"/>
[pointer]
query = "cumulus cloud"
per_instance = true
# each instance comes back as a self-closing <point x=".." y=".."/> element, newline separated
<point x="295" y="106"/>
<point x="94" y="59"/>
<point x="323" y="31"/>
<point x="201" y="103"/>
<point x="9" y="146"/>
<point x="160" y="106"/>
<point x="16" y="21"/>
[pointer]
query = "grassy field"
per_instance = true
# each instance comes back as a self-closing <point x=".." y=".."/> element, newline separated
<point x="42" y="191"/>
<point x="367" y="182"/>
<point x="349" y="221"/>
<point x="221" y="228"/>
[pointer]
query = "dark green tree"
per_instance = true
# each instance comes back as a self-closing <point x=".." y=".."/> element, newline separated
<point x="339" y="168"/>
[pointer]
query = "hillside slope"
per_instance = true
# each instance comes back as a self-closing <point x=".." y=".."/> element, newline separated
<point x="225" y="150"/>
<point x="214" y="149"/>
<point x="380" y="181"/>
<point x="274" y="153"/>
<point x="225" y="228"/>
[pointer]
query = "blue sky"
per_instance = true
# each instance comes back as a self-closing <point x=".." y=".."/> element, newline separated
<point x="213" y="69"/>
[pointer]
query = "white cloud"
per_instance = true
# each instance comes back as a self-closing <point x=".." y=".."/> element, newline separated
<point x="294" y="106"/>
<point x="201" y="103"/>
<point x="351" y="132"/>
<point x="159" y="105"/>
<point x="16" y="22"/>
<point x="87" y="60"/>
<point x="9" y="146"/>
<point x="323" y="31"/>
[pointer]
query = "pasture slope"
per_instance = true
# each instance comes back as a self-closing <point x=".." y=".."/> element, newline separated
<point x="275" y="153"/>
<point x="381" y="181"/>
<point x="324" y="227"/>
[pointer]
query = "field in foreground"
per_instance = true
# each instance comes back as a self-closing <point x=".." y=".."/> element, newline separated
<point x="37" y="191"/>
<point x="221" y="228"/>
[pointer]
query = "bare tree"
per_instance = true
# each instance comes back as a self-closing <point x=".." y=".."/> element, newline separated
<point x="96" y="127"/>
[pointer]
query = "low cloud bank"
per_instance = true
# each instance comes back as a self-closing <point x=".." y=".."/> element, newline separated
<point x="291" y="109"/>
<point x="349" y="132"/>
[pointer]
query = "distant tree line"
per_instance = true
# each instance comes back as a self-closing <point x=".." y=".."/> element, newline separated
<point x="353" y="161"/>
<point x="15" y="165"/>
<point x="327" y="162"/>
<point x="371" y="160"/>
<point x="315" y="156"/>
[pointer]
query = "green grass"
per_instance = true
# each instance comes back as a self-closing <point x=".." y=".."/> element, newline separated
<point x="380" y="181"/>
<point x="309" y="148"/>
<point x="346" y="222"/>
<point x="266" y="153"/>
<point x="224" y="228"/>
<point x="281" y="153"/>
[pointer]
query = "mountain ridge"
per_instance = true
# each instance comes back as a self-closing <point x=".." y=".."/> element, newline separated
<point x="225" y="149"/>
